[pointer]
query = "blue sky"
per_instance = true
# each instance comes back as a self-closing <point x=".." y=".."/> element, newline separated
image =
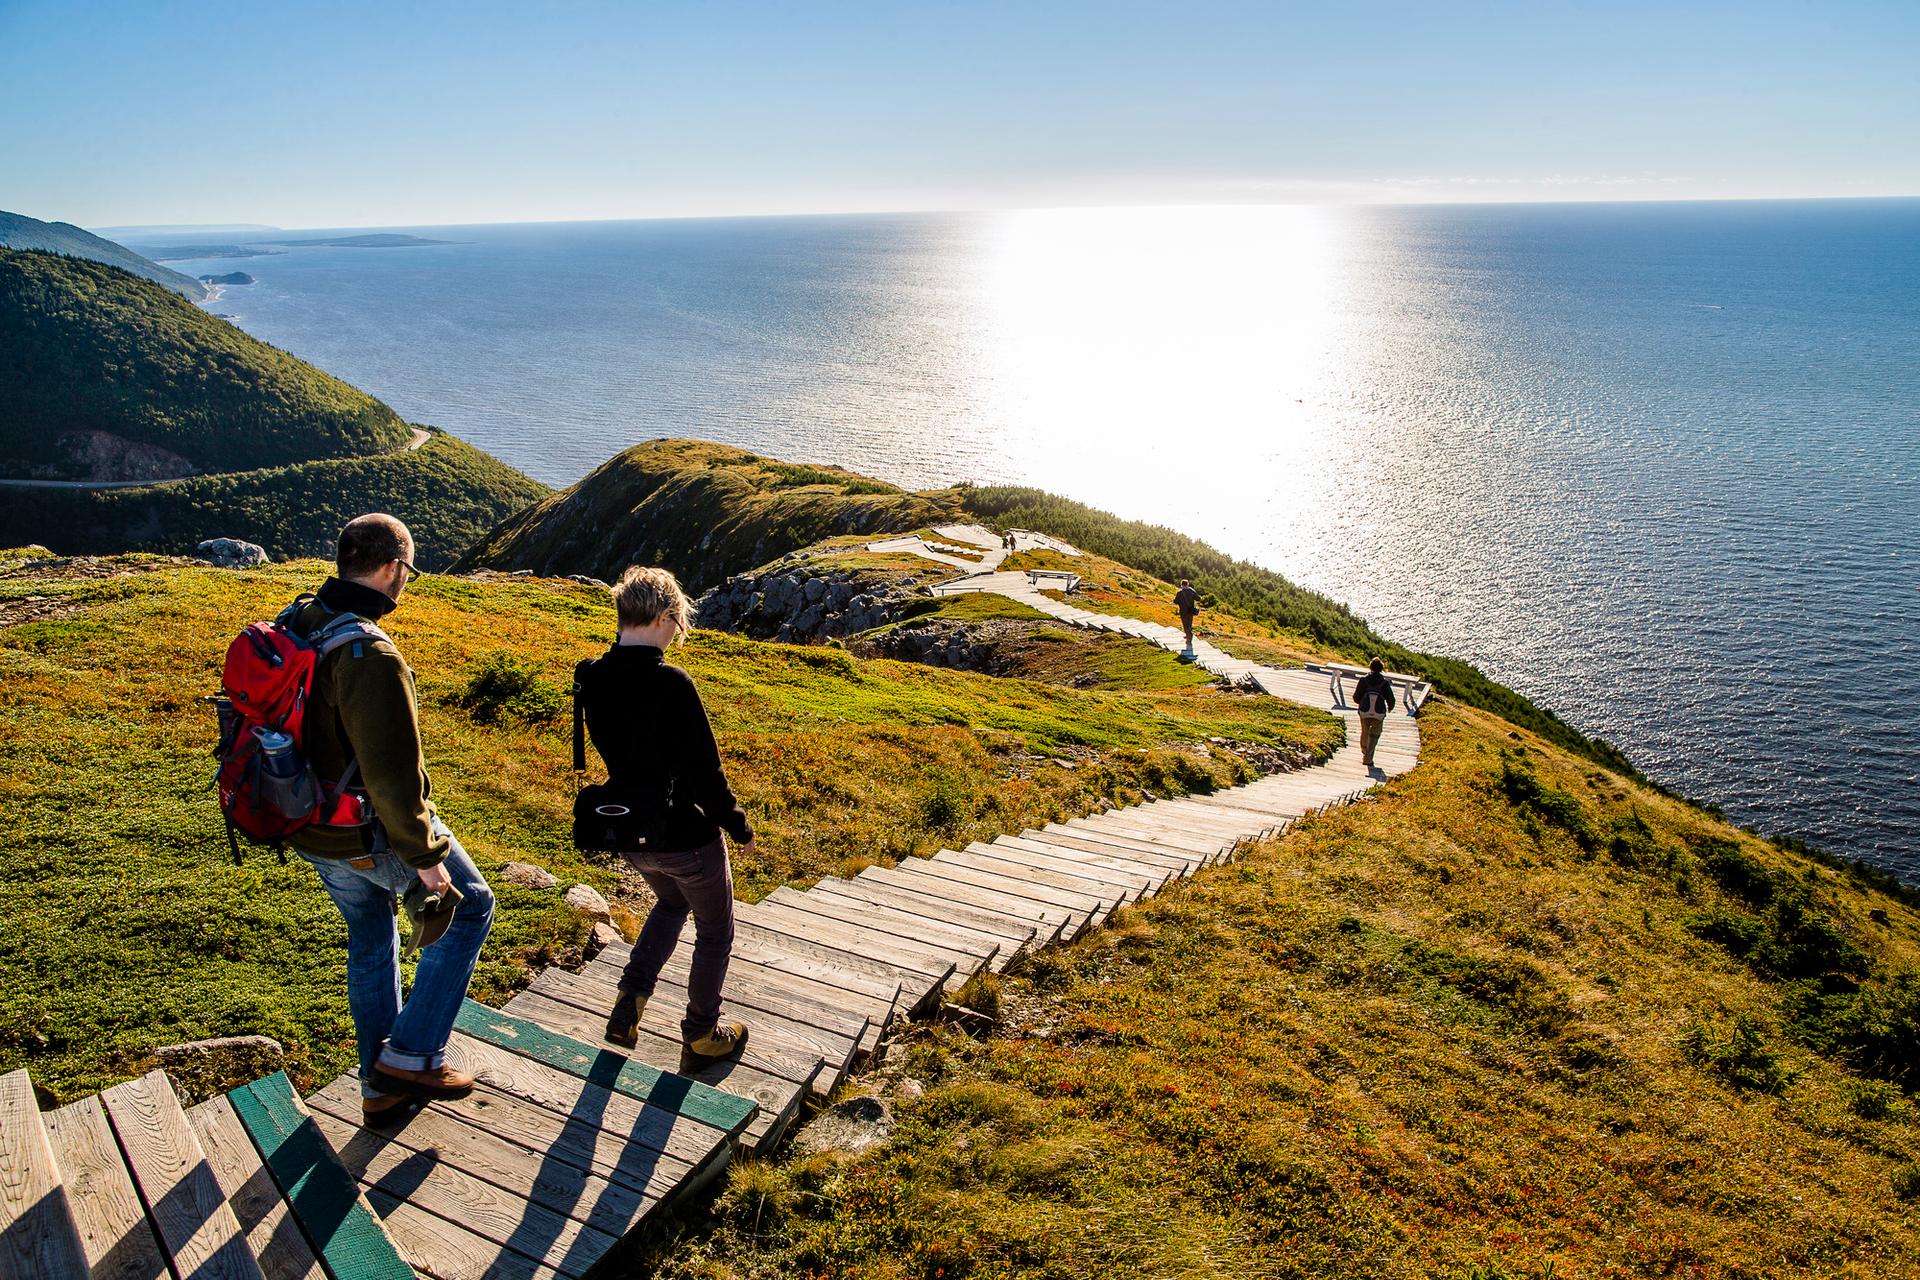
<point x="329" y="114"/>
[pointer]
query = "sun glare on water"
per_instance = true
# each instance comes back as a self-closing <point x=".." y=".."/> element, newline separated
<point x="1142" y="350"/>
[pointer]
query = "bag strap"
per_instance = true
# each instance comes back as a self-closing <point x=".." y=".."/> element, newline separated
<point x="580" y="716"/>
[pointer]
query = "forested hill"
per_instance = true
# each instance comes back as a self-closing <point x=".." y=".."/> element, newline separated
<point x="106" y="376"/>
<point x="17" y="231"/>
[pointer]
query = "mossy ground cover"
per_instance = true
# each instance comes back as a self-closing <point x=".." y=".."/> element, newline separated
<point x="127" y="925"/>
<point x="1466" y="1029"/>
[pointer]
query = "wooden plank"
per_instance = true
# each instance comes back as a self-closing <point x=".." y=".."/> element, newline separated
<point x="324" y="1198"/>
<point x="777" y="1097"/>
<point x="1021" y="936"/>
<point x="913" y="876"/>
<point x="458" y="1254"/>
<point x="946" y="965"/>
<point x="755" y="948"/>
<point x="610" y="1206"/>
<point x="513" y="1223"/>
<point x="768" y="1054"/>
<point x="1153" y="876"/>
<point x="272" y="1234"/>
<point x="1181" y="861"/>
<point x="1086" y="905"/>
<point x="40" y="1234"/>
<point x="1128" y="885"/>
<point x="176" y="1184"/>
<point x="669" y="1000"/>
<point x="979" y="857"/>
<point x="749" y="982"/>
<point x="1159" y="834"/>
<point x="979" y="948"/>
<point x="491" y="1115"/>
<point x="838" y="964"/>
<point x="113" y="1224"/>
<point x="724" y="1111"/>
<point x="1200" y="818"/>
<point x="1253" y="816"/>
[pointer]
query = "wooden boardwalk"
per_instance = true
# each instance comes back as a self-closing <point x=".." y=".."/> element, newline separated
<point x="569" y="1144"/>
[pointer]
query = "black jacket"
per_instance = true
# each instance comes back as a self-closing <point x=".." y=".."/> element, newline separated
<point x="1187" y="601"/>
<point x="647" y="722"/>
<point x="1369" y="688"/>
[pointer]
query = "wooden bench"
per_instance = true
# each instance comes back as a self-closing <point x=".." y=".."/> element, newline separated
<point x="1413" y="687"/>
<point x="1071" y="580"/>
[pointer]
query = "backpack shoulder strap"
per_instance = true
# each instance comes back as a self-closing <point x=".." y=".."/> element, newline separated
<point x="344" y="628"/>
<point x="580" y="715"/>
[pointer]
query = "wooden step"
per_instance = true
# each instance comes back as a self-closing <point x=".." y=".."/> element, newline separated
<point x="272" y="1232"/>
<point x="980" y="949"/>
<point x="1004" y="862"/>
<point x="113" y="1223"/>
<point x="798" y="918"/>
<point x="1202" y="818"/>
<point x="326" y="1202"/>
<point x="1089" y="907"/>
<point x="1159" y="833"/>
<point x="914" y="874"/>
<point x="40" y="1237"/>
<point x="184" y="1201"/>
<point x="913" y="987"/>
<point x="1182" y="862"/>
<point x="1022" y="936"/>
<point x="777" y="1097"/>
<point x="664" y="1010"/>
<point x="934" y="971"/>
<point x="822" y="1004"/>
<point x="1130" y="881"/>
<point x="1157" y="874"/>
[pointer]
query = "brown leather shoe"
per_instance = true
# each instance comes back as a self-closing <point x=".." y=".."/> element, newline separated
<point x="623" y="1024"/>
<point x="724" y="1041"/>
<point x="387" y="1110"/>
<point x="442" y="1083"/>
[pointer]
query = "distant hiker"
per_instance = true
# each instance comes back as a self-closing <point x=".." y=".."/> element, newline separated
<point x="1373" y="697"/>
<point x="362" y="723"/>
<point x="1008" y="542"/>
<point x="665" y="778"/>
<point x="1187" y="601"/>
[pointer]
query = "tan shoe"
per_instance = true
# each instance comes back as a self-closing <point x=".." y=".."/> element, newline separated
<point x="442" y="1082"/>
<point x="386" y="1110"/>
<point x="725" y="1041"/>
<point x="623" y="1024"/>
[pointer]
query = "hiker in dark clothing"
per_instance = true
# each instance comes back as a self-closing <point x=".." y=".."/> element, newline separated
<point x="1187" y="601"/>
<point x="646" y="720"/>
<point x="362" y="721"/>
<point x="1373" y="697"/>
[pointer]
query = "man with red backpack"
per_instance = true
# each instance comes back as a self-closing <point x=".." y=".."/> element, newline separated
<point x="362" y="732"/>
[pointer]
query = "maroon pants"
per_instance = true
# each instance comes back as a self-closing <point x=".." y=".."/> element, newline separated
<point x="699" y="883"/>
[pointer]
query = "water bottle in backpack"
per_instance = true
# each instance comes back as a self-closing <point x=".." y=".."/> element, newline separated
<point x="286" y="781"/>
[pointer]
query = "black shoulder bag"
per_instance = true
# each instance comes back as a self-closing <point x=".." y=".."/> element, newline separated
<point x="608" y="818"/>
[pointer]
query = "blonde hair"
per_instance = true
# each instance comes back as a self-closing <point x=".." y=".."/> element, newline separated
<point x="644" y="593"/>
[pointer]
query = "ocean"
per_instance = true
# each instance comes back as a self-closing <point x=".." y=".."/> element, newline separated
<point x="1656" y="466"/>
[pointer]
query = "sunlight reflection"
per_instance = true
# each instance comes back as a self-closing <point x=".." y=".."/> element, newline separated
<point x="1130" y="352"/>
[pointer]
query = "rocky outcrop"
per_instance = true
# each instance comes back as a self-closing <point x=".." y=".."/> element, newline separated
<point x="941" y="642"/>
<point x="796" y="603"/>
<point x="232" y="553"/>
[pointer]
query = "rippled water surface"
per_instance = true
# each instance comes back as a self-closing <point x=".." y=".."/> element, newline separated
<point x="1657" y="466"/>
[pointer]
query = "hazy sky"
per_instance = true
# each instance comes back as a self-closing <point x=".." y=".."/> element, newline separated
<point x="332" y="114"/>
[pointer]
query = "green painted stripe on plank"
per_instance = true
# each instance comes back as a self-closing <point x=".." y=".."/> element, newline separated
<point x="325" y="1199"/>
<point x="724" y="1111"/>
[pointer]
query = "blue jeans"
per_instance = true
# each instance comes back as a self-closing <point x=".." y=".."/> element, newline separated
<point x="412" y="1035"/>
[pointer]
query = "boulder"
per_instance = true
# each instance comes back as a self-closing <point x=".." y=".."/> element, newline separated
<point x="604" y="935"/>
<point x="585" y="900"/>
<point x="528" y="876"/>
<point x="232" y="553"/>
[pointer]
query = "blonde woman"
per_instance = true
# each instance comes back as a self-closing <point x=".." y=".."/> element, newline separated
<point x="647" y="721"/>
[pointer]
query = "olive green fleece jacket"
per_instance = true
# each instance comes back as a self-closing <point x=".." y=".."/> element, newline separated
<point x="363" y="708"/>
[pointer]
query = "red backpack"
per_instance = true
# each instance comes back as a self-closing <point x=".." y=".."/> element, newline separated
<point x="267" y="788"/>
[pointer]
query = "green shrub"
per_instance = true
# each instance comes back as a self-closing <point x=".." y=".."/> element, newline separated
<point x="505" y="689"/>
<point x="1906" y="1181"/>
<point x="1741" y="1058"/>
<point x="1872" y="1099"/>
<point x="1549" y="804"/>
<point x="1735" y="872"/>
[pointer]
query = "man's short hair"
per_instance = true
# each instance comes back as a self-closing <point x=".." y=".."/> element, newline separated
<point x="644" y="594"/>
<point x="1377" y="666"/>
<point x="370" y="542"/>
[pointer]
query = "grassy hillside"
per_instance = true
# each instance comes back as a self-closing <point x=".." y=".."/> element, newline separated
<point x="447" y="491"/>
<point x="99" y="368"/>
<point x="1261" y="595"/>
<point x="17" y="231"/>
<point x="128" y="927"/>
<point x="703" y="510"/>
<point x="1493" y="1025"/>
